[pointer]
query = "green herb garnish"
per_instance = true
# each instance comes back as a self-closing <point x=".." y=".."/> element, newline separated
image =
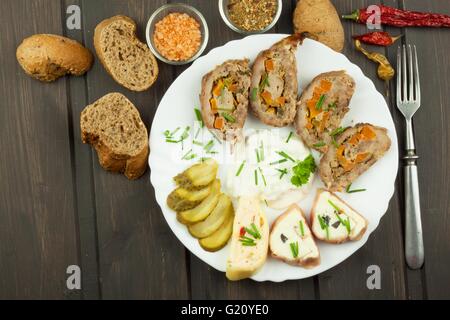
<point x="294" y="249"/>
<point x="172" y="141"/>
<point x="337" y="131"/>
<point x="185" y="134"/>
<point x="228" y="117"/>
<point x="241" y="167"/>
<point x="263" y="177"/>
<point x="253" y="231"/>
<point x="248" y="242"/>
<point x="302" y="171"/>
<point x="189" y="155"/>
<point x="198" y="114"/>
<point x="278" y="162"/>
<point x="258" y="159"/>
<point x="354" y="190"/>
<point x="302" y="229"/>
<point x="285" y="155"/>
<point x="264" y="82"/>
<point x="319" y="144"/>
<point x="209" y="146"/>
<point x="198" y="143"/>
<point x="283" y="172"/>
<point x="332" y="105"/>
<point x="320" y="102"/>
<point x="197" y="133"/>
<point x="334" y="206"/>
<point x="324" y="226"/>
<point x="345" y="223"/>
<point x="261" y="153"/>
<point x="289" y="137"/>
<point x="254" y="94"/>
<point x="256" y="177"/>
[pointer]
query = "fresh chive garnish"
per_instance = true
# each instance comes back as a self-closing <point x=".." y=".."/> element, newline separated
<point x="253" y="231"/>
<point x="209" y="146"/>
<point x="217" y="139"/>
<point x="324" y="226"/>
<point x="345" y="223"/>
<point x="354" y="190"/>
<point x="241" y="167"/>
<point x="254" y="94"/>
<point x="283" y="172"/>
<point x="319" y="144"/>
<point x="198" y="114"/>
<point x="320" y="102"/>
<point x="228" y="117"/>
<point x="285" y="155"/>
<point x="302" y="229"/>
<point x="294" y="249"/>
<point x="256" y="177"/>
<point x="289" y="137"/>
<point x="189" y="155"/>
<point x="278" y="162"/>
<point x="263" y="177"/>
<point x="258" y="159"/>
<point x="185" y="134"/>
<point x="266" y="202"/>
<point x="334" y="206"/>
<point x="212" y="152"/>
<point x="334" y="142"/>
<point x="332" y="105"/>
<point x="197" y="133"/>
<point x="249" y="244"/>
<point x="198" y="143"/>
<point x="261" y="153"/>
<point x="264" y="82"/>
<point x="172" y="141"/>
<point x="337" y="131"/>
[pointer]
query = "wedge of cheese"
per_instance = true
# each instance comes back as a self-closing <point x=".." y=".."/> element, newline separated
<point x="334" y="221"/>
<point x="291" y="239"/>
<point x="249" y="241"/>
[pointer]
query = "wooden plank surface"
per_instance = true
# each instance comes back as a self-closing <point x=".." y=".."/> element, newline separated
<point x="64" y="209"/>
<point x="38" y="238"/>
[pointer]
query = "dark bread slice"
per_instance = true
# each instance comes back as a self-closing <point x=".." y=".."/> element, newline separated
<point x="332" y="171"/>
<point x="127" y="59"/>
<point x="47" y="57"/>
<point x="113" y="126"/>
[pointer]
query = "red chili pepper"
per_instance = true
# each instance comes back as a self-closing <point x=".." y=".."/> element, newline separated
<point x="402" y="18"/>
<point x="242" y="232"/>
<point x="377" y="38"/>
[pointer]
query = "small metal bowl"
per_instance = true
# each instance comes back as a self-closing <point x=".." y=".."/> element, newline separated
<point x="163" y="11"/>
<point x="223" y="8"/>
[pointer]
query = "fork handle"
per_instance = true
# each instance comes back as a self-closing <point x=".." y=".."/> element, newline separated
<point x="414" y="250"/>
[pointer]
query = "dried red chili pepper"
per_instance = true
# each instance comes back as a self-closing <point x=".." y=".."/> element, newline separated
<point x="402" y="18"/>
<point x="378" y="38"/>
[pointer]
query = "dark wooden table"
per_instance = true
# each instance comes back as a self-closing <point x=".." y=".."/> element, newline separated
<point x="59" y="208"/>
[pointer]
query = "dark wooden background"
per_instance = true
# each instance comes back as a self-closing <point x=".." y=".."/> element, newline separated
<point x="59" y="208"/>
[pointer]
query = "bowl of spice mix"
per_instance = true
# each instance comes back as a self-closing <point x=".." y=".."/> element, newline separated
<point x="250" y="16"/>
<point x="177" y="34"/>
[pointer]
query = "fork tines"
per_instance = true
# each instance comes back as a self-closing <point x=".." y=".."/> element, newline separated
<point x="408" y="82"/>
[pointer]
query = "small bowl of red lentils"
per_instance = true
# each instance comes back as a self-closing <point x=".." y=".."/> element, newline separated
<point x="250" y="16"/>
<point x="177" y="33"/>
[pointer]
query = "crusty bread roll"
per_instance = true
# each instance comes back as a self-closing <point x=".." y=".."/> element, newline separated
<point x="127" y="59"/>
<point x="113" y="126"/>
<point x="47" y="57"/>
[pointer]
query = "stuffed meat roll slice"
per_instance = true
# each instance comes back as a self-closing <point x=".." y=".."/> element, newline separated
<point x="224" y="98"/>
<point x="274" y="87"/>
<point x="321" y="108"/>
<point x="355" y="151"/>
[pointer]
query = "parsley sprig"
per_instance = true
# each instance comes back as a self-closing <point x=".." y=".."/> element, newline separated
<point x="302" y="171"/>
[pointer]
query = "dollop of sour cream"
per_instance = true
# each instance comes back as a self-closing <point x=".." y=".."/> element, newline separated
<point x="262" y="165"/>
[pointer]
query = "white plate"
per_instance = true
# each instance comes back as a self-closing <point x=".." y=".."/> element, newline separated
<point x="313" y="58"/>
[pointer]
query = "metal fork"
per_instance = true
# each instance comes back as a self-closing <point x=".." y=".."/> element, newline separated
<point x="408" y="101"/>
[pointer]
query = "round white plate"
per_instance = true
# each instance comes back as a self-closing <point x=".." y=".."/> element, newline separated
<point x="367" y="105"/>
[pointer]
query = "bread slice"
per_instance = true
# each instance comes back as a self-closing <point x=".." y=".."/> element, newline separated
<point x="355" y="151"/>
<point x="245" y="260"/>
<point x="114" y="127"/>
<point x="334" y="221"/>
<point x="47" y="57"/>
<point x="290" y="235"/>
<point x="124" y="56"/>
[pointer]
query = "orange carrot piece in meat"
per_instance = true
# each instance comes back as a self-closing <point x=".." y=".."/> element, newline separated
<point x="267" y="97"/>
<point x="270" y="66"/>
<point x="217" y="90"/>
<point x="367" y="133"/>
<point x="219" y="123"/>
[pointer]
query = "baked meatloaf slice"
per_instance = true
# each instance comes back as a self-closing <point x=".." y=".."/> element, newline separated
<point x="321" y="108"/>
<point x="274" y="86"/>
<point x="355" y="151"/>
<point x="224" y="98"/>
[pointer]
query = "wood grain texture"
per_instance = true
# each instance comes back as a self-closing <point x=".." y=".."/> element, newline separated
<point x="139" y="257"/>
<point x="38" y="239"/>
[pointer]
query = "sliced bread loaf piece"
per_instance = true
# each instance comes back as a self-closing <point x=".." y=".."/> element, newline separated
<point x="334" y="221"/>
<point x="113" y="126"/>
<point x="124" y="56"/>
<point x="291" y="239"/>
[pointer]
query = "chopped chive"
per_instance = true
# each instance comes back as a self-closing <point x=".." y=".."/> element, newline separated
<point x="254" y="94"/>
<point x="217" y="139"/>
<point x="283" y="172"/>
<point x="335" y="142"/>
<point x="256" y="177"/>
<point x="244" y="238"/>
<point x="212" y="152"/>
<point x="289" y="137"/>
<point x="248" y="244"/>
<point x="172" y="141"/>
<point x="209" y="146"/>
<point x="185" y="133"/>
<point x="198" y="114"/>
<point x="320" y="102"/>
<point x="258" y="159"/>
<point x="241" y="167"/>
<point x="228" y="117"/>
<point x="337" y="131"/>
<point x="345" y="223"/>
<point x="285" y="155"/>
<point x="294" y="249"/>
<point x="197" y="133"/>
<point x="354" y="190"/>
<point x="189" y="155"/>
<point x="263" y="177"/>
<point x="302" y="230"/>
<point x="266" y="202"/>
<point x="319" y="144"/>
<point x="261" y="154"/>
<point x="278" y="162"/>
<point x="253" y="231"/>
<point x="198" y="143"/>
<point x="264" y="82"/>
<point x="334" y="206"/>
<point x="324" y="226"/>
